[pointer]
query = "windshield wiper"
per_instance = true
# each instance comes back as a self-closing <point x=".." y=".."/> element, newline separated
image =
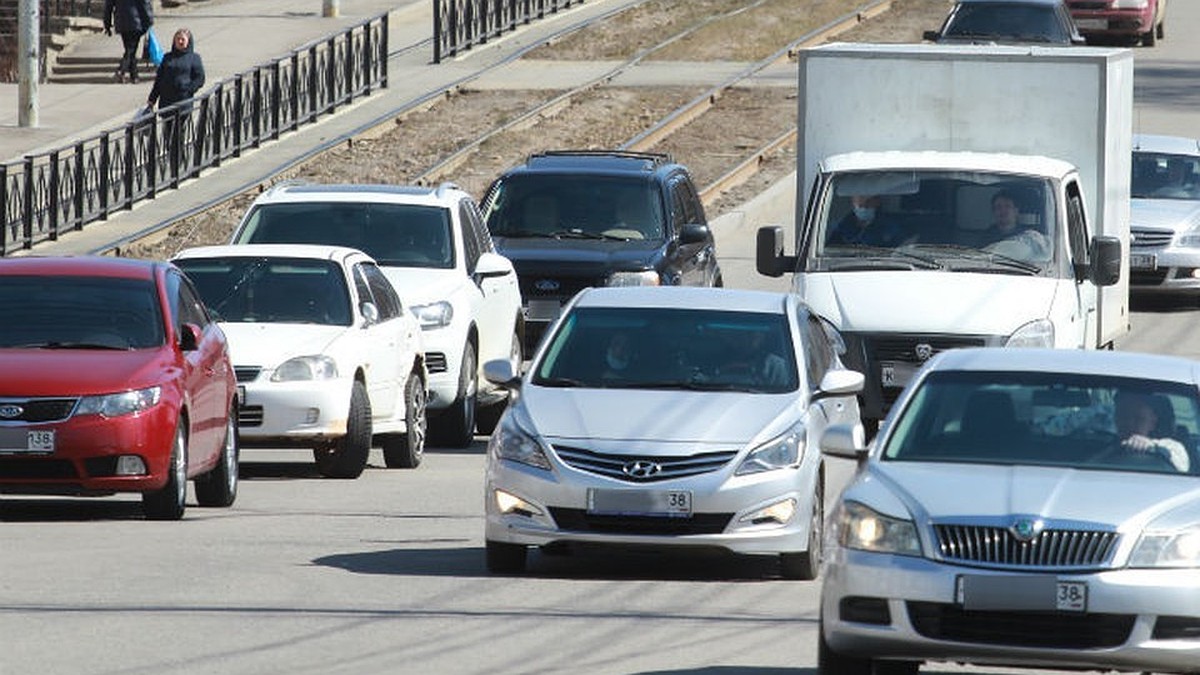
<point x="558" y="382"/>
<point x="579" y="234"/>
<point x="888" y="255"/>
<point x="961" y="252"/>
<point x="72" y="345"/>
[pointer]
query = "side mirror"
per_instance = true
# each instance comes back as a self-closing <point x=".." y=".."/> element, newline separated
<point x="492" y="265"/>
<point x="500" y="372"/>
<point x="840" y="383"/>
<point x="769" y="258"/>
<point x="847" y="441"/>
<point x="931" y="35"/>
<point x="189" y="337"/>
<point x="370" y="312"/>
<point x="694" y="233"/>
<point x="1106" y="261"/>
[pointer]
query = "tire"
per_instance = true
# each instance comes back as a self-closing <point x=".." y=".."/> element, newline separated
<point x="505" y="558"/>
<point x="1150" y="37"/>
<point x="830" y="662"/>
<point x="347" y="457"/>
<point x="218" y="487"/>
<point x="455" y="426"/>
<point x="1160" y="31"/>
<point x="806" y="566"/>
<point x="897" y="668"/>
<point x="169" y="502"/>
<point x="488" y="416"/>
<point x="404" y="451"/>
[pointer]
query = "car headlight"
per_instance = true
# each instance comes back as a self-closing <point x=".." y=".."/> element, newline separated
<point x="643" y="278"/>
<point x="1168" y="549"/>
<point x="778" y="453"/>
<point x="434" y="315"/>
<point x="305" y="368"/>
<point x="1189" y="240"/>
<point x="1039" y="333"/>
<point x="865" y="529"/>
<point x="115" y="405"/>
<point x="513" y="442"/>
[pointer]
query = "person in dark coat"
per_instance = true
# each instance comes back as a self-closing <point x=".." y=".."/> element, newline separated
<point x="131" y="18"/>
<point x="181" y="73"/>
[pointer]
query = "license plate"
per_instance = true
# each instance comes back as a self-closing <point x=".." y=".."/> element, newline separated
<point x="1143" y="261"/>
<point x="669" y="503"/>
<point x="1008" y="593"/>
<point x="26" y="442"/>
<point x="895" y="374"/>
<point x="542" y="310"/>
<point x="1091" y="24"/>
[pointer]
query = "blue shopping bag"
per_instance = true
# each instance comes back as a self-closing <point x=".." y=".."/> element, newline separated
<point x="153" y="49"/>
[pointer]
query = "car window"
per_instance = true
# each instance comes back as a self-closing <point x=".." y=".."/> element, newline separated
<point x="473" y="221"/>
<point x="384" y="294"/>
<point x="241" y="289"/>
<point x="1165" y="176"/>
<point x="401" y="235"/>
<point x="67" y="312"/>
<point x="186" y="304"/>
<point x="818" y="354"/>
<point x="472" y="248"/>
<point x="627" y="348"/>
<point x="574" y="206"/>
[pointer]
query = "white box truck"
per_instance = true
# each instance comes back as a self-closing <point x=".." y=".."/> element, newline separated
<point x="953" y="196"/>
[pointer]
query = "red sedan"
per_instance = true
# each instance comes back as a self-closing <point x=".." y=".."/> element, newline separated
<point x="113" y="378"/>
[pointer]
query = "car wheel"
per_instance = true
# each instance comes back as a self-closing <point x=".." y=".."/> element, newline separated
<point x="168" y="503"/>
<point x="503" y="558"/>
<point x="218" y="487"/>
<point x="830" y="662"/>
<point x="806" y="565"/>
<point x="347" y="457"/>
<point x="1160" y="30"/>
<point x="404" y="451"/>
<point x="1150" y="37"/>
<point x="456" y="425"/>
<point x="488" y="416"/>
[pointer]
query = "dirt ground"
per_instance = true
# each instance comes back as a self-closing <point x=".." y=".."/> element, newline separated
<point x="743" y="119"/>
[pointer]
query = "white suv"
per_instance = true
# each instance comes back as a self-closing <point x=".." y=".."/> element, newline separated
<point x="434" y="248"/>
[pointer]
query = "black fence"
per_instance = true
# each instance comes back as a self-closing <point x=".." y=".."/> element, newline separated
<point x="47" y="194"/>
<point x="459" y="25"/>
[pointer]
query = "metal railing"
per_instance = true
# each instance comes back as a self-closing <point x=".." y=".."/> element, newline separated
<point x="47" y="194"/>
<point x="459" y="25"/>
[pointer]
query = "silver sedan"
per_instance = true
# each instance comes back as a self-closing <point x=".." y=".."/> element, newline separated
<point x="1164" y="252"/>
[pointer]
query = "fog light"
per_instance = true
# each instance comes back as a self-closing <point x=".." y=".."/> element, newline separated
<point x="779" y="512"/>
<point x="510" y="503"/>
<point x="130" y="465"/>
<point x="312" y="415"/>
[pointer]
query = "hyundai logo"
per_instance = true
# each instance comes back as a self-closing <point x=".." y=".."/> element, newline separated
<point x="10" y="411"/>
<point x="641" y="469"/>
<point x="924" y="350"/>
<point x="546" y="285"/>
<point x="1026" y="529"/>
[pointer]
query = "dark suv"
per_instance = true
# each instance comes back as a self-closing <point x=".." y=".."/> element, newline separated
<point x="572" y="219"/>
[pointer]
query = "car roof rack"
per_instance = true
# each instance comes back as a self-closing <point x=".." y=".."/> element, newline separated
<point x="444" y="186"/>
<point x="656" y="158"/>
<point x="285" y="184"/>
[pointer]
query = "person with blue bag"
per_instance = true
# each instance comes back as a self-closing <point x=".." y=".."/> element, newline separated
<point x="181" y="73"/>
<point x="131" y="18"/>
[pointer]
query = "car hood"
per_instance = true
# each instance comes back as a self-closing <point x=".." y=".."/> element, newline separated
<point x="942" y="491"/>
<point x="689" y="418"/>
<point x="533" y="253"/>
<point x="423" y="285"/>
<point x="59" y="372"/>
<point x="267" y="345"/>
<point x="1177" y="215"/>
<point x="933" y="302"/>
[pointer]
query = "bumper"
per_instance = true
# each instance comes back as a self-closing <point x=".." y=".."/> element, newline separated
<point x="1114" y="21"/>
<point x="294" y="411"/>
<point x="443" y="360"/>
<point x="1169" y="270"/>
<point x="877" y="605"/>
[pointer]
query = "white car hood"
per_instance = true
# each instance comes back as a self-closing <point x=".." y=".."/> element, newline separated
<point x="941" y="491"/>
<point x="1177" y="215"/>
<point x="928" y="302"/>
<point x="422" y="285"/>
<point x="719" y="418"/>
<point x="267" y="345"/>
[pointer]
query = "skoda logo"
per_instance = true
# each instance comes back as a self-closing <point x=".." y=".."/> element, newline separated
<point x="1027" y="529"/>
<point x="546" y="285"/>
<point x="641" y="469"/>
<point x="9" y="411"/>
<point x="924" y="350"/>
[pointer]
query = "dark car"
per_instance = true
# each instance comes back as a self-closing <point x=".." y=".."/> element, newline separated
<point x="574" y="219"/>
<point x="1008" y="22"/>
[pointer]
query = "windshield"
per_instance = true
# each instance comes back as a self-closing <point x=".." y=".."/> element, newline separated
<point x="67" y="312"/>
<point x="397" y="235"/>
<point x="1159" y="175"/>
<point x="267" y="290"/>
<point x="705" y="350"/>
<point x="575" y="206"/>
<point x="952" y="220"/>
<point x="1014" y="22"/>
<point x="1087" y="422"/>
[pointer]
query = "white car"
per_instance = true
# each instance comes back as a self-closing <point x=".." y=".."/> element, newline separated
<point x="670" y="417"/>
<point x="432" y="244"/>
<point x="1164" y="221"/>
<point x="326" y="354"/>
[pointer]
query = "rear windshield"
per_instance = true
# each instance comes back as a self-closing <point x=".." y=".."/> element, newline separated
<point x="80" y="313"/>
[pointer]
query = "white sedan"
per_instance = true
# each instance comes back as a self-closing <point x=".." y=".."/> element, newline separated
<point x="325" y="353"/>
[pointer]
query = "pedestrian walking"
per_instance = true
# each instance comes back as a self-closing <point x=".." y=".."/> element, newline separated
<point x="130" y="18"/>
<point x="181" y="73"/>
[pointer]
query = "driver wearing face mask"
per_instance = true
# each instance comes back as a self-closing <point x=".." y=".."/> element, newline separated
<point x="866" y="226"/>
<point x="617" y="356"/>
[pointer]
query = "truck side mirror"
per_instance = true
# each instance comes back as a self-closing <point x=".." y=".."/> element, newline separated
<point x="769" y="258"/>
<point x="1106" y="260"/>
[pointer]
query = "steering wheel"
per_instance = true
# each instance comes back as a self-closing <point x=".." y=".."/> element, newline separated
<point x="1116" y="453"/>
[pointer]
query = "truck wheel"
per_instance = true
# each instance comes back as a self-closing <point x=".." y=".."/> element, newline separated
<point x="169" y="502"/>
<point x="455" y="426"/>
<point x="404" y="451"/>
<point x="488" y="416"/>
<point x="504" y="558"/>
<point x="218" y="487"/>
<point x="347" y="456"/>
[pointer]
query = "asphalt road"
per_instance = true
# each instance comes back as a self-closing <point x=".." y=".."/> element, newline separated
<point x="385" y="574"/>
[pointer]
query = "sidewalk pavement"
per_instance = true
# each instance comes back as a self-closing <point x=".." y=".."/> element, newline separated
<point x="235" y="35"/>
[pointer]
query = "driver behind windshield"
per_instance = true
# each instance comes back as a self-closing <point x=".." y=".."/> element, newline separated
<point x="866" y="225"/>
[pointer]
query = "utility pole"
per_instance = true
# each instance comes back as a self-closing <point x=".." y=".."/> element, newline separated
<point x="28" y="34"/>
<point x="330" y="8"/>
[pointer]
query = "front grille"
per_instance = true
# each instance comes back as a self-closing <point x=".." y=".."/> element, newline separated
<point x="36" y="410"/>
<point x="904" y="347"/>
<point x="247" y="373"/>
<point x="22" y="468"/>
<point x="250" y="416"/>
<point x="1052" y="630"/>
<point x="435" y="362"/>
<point x="1176" y="628"/>
<point x="1050" y="549"/>
<point x="578" y="520"/>
<point x="1145" y="278"/>
<point x="544" y="287"/>
<point x="668" y="467"/>
<point x="1150" y="239"/>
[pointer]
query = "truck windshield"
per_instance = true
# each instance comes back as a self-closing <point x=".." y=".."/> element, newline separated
<point x="952" y="220"/>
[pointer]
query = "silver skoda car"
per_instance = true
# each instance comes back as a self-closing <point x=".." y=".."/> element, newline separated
<point x="1022" y="507"/>
<point x="670" y="417"/>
